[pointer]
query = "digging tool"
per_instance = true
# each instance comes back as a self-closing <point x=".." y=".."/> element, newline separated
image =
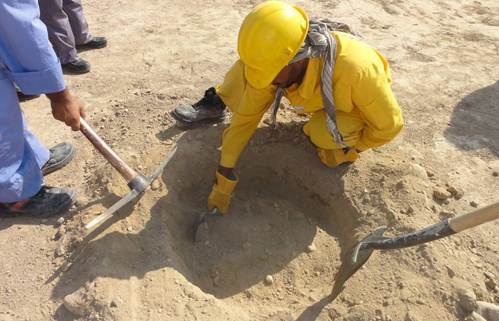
<point x="201" y="219"/>
<point x="137" y="182"/>
<point x="359" y="255"/>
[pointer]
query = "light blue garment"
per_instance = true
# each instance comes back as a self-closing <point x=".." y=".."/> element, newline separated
<point x="27" y="59"/>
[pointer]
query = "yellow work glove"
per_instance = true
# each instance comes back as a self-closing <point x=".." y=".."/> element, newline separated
<point x="335" y="157"/>
<point x="221" y="193"/>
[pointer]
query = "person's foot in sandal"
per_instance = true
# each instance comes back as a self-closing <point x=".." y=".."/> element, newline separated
<point x="60" y="155"/>
<point x="48" y="201"/>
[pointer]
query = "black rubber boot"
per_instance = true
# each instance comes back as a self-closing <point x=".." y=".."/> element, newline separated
<point x="210" y="109"/>
<point x="48" y="201"/>
<point x="77" y="67"/>
<point x="94" y="43"/>
<point x="60" y="156"/>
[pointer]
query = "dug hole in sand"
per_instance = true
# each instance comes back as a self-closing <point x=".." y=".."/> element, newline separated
<point x="286" y="219"/>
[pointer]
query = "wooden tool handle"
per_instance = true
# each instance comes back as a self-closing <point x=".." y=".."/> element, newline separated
<point x="477" y="217"/>
<point x="126" y="171"/>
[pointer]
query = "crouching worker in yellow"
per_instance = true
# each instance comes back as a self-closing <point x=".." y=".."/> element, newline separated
<point x="343" y="83"/>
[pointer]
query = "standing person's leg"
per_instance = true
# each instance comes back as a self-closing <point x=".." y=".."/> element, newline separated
<point x="79" y="25"/>
<point x="61" y="36"/>
<point x="59" y="29"/>
<point x="20" y="174"/>
<point x="21" y="159"/>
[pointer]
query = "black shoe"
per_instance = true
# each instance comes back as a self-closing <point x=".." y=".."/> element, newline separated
<point x="48" y="201"/>
<point x="94" y="43"/>
<point x="60" y="156"/>
<point x="23" y="97"/>
<point x="77" y="67"/>
<point x="209" y="109"/>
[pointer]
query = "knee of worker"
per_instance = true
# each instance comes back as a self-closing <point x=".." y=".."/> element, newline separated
<point x="232" y="88"/>
<point x="349" y="127"/>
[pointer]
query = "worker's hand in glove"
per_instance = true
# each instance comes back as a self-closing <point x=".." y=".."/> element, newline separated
<point x="221" y="193"/>
<point x="335" y="157"/>
<point x="66" y="108"/>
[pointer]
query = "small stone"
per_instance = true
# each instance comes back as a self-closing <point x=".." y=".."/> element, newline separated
<point x="418" y="171"/>
<point x="489" y="275"/>
<point x="490" y="283"/>
<point x="334" y="314"/>
<point x="474" y="204"/>
<point x="450" y="271"/>
<point x="457" y="193"/>
<point x="474" y="317"/>
<point x="269" y="280"/>
<point x="440" y="194"/>
<point x="75" y="304"/>
<point x="60" y="220"/>
<point x="155" y="185"/>
<point x="488" y="310"/>
<point x="467" y="299"/>
<point x="60" y="232"/>
<point x="311" y="248"/>
<point x="495" y="173"/>
<point x="116" y="302"/>
<point x="60" y="250"/>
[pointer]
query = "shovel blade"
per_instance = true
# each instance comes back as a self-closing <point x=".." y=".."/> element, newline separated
<point x="354" y="260"/>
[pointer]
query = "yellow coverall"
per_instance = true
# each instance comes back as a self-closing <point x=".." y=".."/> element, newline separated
<point x="367" y="112"/>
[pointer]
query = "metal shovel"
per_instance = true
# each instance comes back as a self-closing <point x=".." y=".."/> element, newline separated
<point x="358" y="256"/>
<point x="137" y="182"/>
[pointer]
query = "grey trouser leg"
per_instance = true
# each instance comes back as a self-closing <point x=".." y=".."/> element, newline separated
<point x="66" y="26"/>
<point x="79" y="25"/>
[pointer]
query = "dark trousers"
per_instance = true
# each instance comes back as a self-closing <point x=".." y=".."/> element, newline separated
<point x="66" y="25"/>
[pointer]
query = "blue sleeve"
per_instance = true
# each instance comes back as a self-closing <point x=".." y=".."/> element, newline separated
<point x="25" y="51"/>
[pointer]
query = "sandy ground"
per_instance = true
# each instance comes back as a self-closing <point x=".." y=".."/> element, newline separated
<point x="292" y="218"/>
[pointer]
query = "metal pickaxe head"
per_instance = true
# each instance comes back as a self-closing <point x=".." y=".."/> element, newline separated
<point x="137" y="182"/>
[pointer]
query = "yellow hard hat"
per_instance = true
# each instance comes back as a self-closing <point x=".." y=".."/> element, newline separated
<point x="270" y="36"/>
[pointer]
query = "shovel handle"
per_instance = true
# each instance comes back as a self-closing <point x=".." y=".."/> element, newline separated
<point x="474" y="218"/>
<point x="126" y="171"/>
<point x="435" y="231"/>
